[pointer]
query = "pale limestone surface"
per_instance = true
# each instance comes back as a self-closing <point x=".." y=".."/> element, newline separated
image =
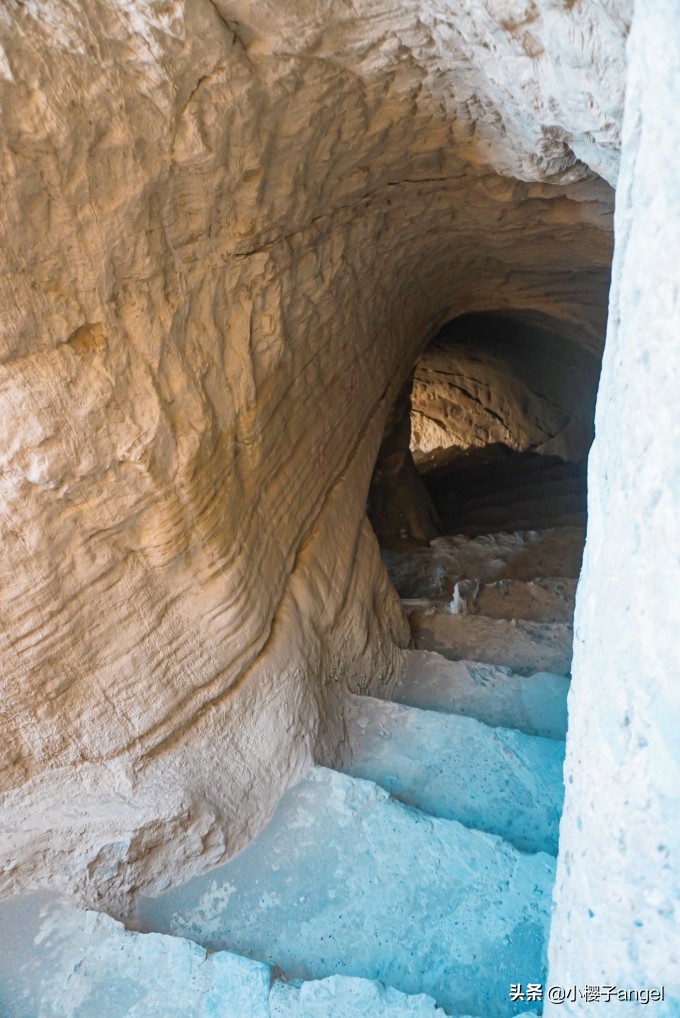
<point x="59" y="961"/>
<point x="228" y="230"/>
<point x="616" y="918"/>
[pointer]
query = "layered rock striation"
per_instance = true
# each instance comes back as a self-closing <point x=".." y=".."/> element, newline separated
<point x="524" y="382"/>
<point x="228" y="231"/>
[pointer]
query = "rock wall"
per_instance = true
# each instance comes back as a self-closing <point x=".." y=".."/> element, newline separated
<point x="617" y="892"/>
<point x="399" y="505"/>
<point x="228" y="230"/>
<point x="518" y="381"/>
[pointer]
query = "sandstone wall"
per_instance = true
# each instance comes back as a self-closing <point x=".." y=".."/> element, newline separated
<point x="617" y="892"/>
<point x="518" y="381"/>
<point x="228" y="229"/>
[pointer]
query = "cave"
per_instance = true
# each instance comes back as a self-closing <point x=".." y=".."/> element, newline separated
<point x="338" y="363"/>
<point x="520" y="381"/>
<point x="496" y="398"/>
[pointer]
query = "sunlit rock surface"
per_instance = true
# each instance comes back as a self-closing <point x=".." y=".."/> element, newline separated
<point x="521" y="381"/>
<point x="228" y="229"/>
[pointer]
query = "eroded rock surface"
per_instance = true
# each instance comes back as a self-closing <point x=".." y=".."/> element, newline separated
<point x="617" y="892"/>
<point x="64" y="962"/>
<point x="228" y="230"/>
<point x="518" y="381"/>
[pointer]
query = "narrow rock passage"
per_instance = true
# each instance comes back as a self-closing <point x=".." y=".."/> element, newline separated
<point x="425" y="861"/>
<point x="415" y="879"/>
<point x="494" y="489"/>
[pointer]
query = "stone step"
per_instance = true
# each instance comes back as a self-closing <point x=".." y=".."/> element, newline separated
<point x="523" y="646"/>
<point x="345" y="880"/>
<point x="432" y="571"/>
<point x="59" y="959"/>
<point x="534" y="704"/>
<point x="347" y="997"/>
<point x="549" y="600"/>
<point x="496" y="780"/>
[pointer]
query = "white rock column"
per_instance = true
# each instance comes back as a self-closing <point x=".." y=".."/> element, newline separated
<point x="620" y="838"/>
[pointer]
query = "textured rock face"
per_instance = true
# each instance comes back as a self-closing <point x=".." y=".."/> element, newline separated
<point x="64" y="962"/>
<point x="616" y="897"/>
<point x="399" y="505"/>
<point x="228" y="230"/>
<point x="323" y="890"/>
<point x="495" y="379"/>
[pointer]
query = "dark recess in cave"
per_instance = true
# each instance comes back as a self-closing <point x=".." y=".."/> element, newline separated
<point x="509" y="397"/>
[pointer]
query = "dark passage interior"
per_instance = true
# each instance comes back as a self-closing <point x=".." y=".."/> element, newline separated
<point x="491" y="433"/>
<point x="495" y="488"/>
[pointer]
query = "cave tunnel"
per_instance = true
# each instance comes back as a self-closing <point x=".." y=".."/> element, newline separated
<point x="491" y="431"/>
<point x="312" y="699"/>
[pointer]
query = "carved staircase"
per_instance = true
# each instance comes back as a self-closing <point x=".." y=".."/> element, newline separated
<point x="414" y="879"/>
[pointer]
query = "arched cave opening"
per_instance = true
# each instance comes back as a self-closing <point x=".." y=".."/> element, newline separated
<point x="491" y="432"/>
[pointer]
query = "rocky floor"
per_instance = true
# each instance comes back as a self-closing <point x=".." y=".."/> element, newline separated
<point x="414" y="879"/>
<point x="424" y="862"/>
